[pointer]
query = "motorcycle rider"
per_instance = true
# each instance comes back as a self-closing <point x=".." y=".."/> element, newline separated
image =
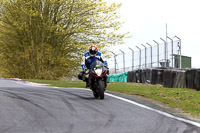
<point x="88" y="58"/>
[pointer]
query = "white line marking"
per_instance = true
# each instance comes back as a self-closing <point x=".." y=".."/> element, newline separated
<point x="28" y="84"/>
<point x="56" y="87"/>
<point x="158" y="111"/>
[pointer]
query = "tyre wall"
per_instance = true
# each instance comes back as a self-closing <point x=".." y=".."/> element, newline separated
<point x="170" y="78"/>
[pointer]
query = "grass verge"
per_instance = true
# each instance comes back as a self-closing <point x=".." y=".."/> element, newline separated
<point x="187" y="100"/>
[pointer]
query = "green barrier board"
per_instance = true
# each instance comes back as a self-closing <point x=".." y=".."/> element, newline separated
<point x="120" y="77"/>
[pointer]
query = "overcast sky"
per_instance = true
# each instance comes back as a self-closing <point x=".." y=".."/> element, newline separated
<point x="146" y="21"/>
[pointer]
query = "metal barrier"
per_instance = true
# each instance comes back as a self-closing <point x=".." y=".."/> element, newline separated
<point x="148" y="56"/>
<point x="170" y="78"/>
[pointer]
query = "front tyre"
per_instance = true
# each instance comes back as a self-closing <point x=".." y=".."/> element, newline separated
<point x="96" y="94"/>
<point x="101" y="88"/>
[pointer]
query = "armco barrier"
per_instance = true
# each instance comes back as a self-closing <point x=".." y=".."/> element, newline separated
<point x="139" y="76"/>
<point x="160" y="76"/>
<point x="197" y="79"/>
<point x="134" y="74"/>
<point x="148" y="75"/>
<point x="154" y="76"/>
<point x="190" y="78"/>
<point x="168" y="78"/>
<point x="171" y="78"/>
<point x="144" y="76"/>
<point x="130" y="76"/>
<point x="180" y="79"/>
<point x="173" y="75"/>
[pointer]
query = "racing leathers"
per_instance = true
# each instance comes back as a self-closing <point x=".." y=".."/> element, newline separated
<point x="87" y="60"/>
<point x="85" y="64"/>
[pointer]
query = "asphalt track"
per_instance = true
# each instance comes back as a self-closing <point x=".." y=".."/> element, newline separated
<point x="31" y="109"/>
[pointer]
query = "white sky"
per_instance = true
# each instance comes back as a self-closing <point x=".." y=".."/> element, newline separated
<point x="146" y="21"/>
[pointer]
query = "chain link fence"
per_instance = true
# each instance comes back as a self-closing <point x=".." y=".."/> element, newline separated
<point x="147" y="56"/>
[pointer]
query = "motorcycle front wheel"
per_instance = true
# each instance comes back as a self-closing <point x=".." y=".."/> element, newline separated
<point x="101" y="88"/>
<point x="96" y="94"/>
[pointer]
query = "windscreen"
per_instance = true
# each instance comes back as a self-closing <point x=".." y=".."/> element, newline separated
<point x="96" y="64"/>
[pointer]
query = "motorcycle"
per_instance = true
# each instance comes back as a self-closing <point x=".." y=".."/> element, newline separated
<point x="97" y="76"/>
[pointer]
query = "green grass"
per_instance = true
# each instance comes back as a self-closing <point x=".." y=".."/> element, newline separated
<point x="187" y="100"/>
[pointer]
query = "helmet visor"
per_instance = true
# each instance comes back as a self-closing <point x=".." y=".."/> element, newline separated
<point x="93" y="52"/>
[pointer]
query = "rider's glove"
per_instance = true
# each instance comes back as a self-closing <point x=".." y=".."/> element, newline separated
<point x="108" y="72"/>
<point x="106" y="66"/>
<point x="85" y="69"/>
<point x="107" y="69"/>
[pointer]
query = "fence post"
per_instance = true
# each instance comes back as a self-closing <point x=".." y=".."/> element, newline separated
<point x="114" y="59"/>
<point x="132" y="57"/>
<point x="180" y="52"/>
<point x="157" y="52"/>
<point x="145" y="55"/>
<point x="123" y="59"/>
<point x="165" y="52"/>
<point x="139" y="56"/>
<point x="172" y="51"/>
<point x="151" y="54"/>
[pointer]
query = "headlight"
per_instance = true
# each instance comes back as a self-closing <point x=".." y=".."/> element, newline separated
<point x="98" y="72"/>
